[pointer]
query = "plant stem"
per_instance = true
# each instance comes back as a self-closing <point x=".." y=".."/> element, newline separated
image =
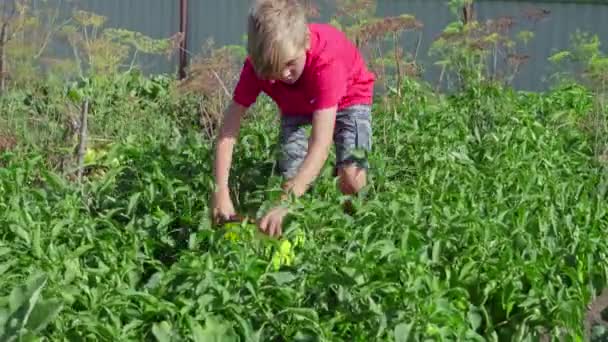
<point x="397" y="63"/>
<point x="221" y="83"/>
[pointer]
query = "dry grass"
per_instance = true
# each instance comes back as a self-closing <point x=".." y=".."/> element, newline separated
<point x="380" y="28"/>
<point x="212" y="75"/>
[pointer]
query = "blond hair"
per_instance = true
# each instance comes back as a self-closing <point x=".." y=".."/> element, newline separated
<point x="277" y="32"/>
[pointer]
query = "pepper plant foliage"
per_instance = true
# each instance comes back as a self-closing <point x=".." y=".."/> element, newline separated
<point x="462" y="233"/>
<point x="485" y="218"/>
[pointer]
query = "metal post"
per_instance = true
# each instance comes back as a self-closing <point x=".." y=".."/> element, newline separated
<point x="183" y="29"/>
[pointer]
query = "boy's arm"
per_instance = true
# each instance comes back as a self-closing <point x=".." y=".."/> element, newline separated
<point x="245" y="94"/>
<point x="329" y="81"/>
<point x="228" y="134"/>
<point x="323" y="123"/>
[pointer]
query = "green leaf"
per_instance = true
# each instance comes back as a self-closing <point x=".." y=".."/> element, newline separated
<point x="72" y="270"/>
<point x="5" y="250"/>
<point x="16" y="298"/>
<point x="43" y="314"/>
<point x="217" y="331"/>
<point x="162" y="331"/>
<point x="559" y="56"/>
<point x="154" y="280"/>
<point x="198" y="334"/>
<point x="81" y="250"/>
<point x="402" y="332"/>
<point x="302" y="313"/>
<point x="474" y="319"/>
<point x="473" y="336"/>
<point x="305" y="336"/>
<point x="282" y="278"/>
<point x="58" y="227"/>
<point x="246" y="328"/>
<point x="56" y="182"/>
<point x="467" y="273"/>
<point x="20" y="232"/>
<point x="7" y="265"/>
<point x="36" y="245"/>
<point x="133" y="200"/>
<point x="76" y="95"/>
<point x="436" y="251"/>
<point x="22" y="301"/>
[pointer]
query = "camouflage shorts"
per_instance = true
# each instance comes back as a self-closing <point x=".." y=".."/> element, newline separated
<point x="353" y="131"/>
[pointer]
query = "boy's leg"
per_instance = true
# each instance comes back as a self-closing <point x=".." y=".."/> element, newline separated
<point x="293" y="142"/>
<point x="353" y="138"/>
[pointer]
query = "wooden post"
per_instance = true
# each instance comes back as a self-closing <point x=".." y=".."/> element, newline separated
<point x="82" y="145"/>
<point x="3" y="41"/>
<point x="183" y="29"/>
<point x="467" y="13"/>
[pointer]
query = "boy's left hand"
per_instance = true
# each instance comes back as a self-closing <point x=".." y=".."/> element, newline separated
<point x="323" y="123"/>
<point x="272" y="222"/>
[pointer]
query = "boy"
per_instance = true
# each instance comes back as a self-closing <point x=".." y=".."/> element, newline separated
<point x="316" y="76"/>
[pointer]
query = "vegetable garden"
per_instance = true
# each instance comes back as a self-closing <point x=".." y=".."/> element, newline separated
<point x="485" y="217"/>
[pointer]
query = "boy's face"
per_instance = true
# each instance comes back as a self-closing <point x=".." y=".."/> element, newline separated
<point x="293" y="69"/>
<point x="290" y="71"/>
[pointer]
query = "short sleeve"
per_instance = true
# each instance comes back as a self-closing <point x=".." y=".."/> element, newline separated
<point x="329" y="84"/>
<point x="248" y="87"/>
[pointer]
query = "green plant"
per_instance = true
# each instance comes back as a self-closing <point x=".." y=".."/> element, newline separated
<point x="104" y="50"/>
<point x="27" y="313"/>
<point x="471" y="52"/>
<point x="381" y="40"/>
<point x="591" y="69"/>
<point x="458" y="236"/>
<point x="484" y="219"/>
<point x="23" y="39"/>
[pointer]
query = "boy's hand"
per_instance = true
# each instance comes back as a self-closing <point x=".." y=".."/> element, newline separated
<point x="272" y="222"/>
<point x="223" y="209"/>
<point x="323" y="123"/>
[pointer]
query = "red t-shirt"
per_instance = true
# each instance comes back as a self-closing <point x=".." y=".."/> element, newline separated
<point x="335" y="73"/>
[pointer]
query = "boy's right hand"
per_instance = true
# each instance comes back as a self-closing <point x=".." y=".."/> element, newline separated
<point x="223" y="209"/>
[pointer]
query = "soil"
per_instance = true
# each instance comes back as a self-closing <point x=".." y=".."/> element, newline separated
<point x="7" y="143"/>
<point x="597" y="312"/>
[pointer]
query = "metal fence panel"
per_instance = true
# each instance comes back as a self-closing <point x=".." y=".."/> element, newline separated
<point x="155" y="18"/>
<point x="225" y="22"/>
<point x="552" y="34"/>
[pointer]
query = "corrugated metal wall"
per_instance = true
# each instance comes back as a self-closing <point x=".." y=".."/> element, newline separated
<point x="552" y="34"/>
<point x="221" y="20"/>
<point x="154" y="18"/>
<point x="224" y="21"/>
